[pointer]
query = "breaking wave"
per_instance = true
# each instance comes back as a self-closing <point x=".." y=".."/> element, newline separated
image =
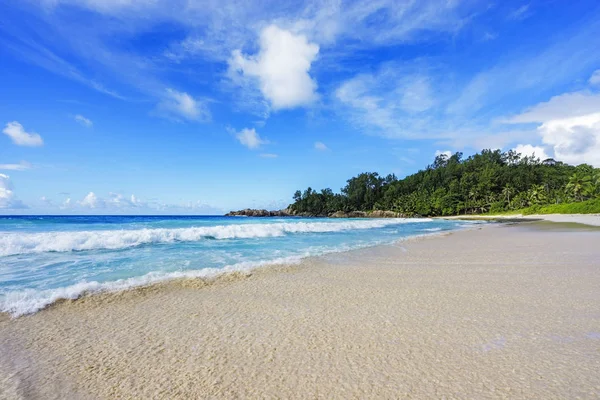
<point x="26" y="243"/>
<point x="29" y="301"/>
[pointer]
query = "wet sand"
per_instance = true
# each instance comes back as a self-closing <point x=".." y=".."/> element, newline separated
<point x="498" y="312"/>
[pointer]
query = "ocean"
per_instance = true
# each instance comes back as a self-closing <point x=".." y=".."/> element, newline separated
<point x="46" y="258"/>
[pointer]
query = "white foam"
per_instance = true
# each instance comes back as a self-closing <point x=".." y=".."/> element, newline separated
<point x="29" y="301"/>
<point x="12" y="243"/>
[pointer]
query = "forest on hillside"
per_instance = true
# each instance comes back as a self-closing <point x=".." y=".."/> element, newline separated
<point x="490" y="181"/>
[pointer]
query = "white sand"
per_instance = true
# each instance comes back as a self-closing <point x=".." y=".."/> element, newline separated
<point x="585" y="219"/>
<point x="501" y="312"/>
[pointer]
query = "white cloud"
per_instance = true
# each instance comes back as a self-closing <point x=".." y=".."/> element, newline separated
<point x="321" y="146"/>
<point x="446" y="153"/>
<point x="225" y="21"/>
<point x="182" y="105"/>
<point x="92" y="201"/>
<point x="488" y="36"/>
<point x="66" y="205"/>
<point x="570" y="124"/>
<point x="105" y="6"/>
<point x="532" y="151"/>
<point x="46" y="201"/>
<point x="520" y="13"/>
<point x="22" y="166"/>
<point x="561" y="63"/>
<point x="391" y="102"/>
<point x="7" y="196"/>
<point x="562" y="106"/>
<point x="281" y="67"/>
<point x="83" y="121"/>
<point x="595" y="78"/>
<point x="269" y="155"/>
<point x="119" y="201"/>
<point x="416" y="95"/>
<point x="15" y="131"/>
<point x="575" y="140"/>
<point x="250" y="138"/>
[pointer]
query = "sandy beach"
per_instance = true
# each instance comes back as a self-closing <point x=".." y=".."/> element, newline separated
<point x="502" y="311"/>
<point x="585" y="219"/>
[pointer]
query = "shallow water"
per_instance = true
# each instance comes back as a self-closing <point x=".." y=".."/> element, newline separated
<point x="44" y="258"/>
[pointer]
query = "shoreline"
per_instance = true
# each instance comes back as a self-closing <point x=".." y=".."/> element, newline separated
<point x="507" y="310"/>
<point x="582" y="219"/>
<point x="200" y="278"/>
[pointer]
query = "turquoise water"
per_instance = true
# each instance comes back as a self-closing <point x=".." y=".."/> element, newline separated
<point x="44" y="258"/>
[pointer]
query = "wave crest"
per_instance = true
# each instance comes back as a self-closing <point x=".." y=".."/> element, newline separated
<point x="27" y="243"/>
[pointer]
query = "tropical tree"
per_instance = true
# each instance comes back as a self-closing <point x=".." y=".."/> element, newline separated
<point x="596" y="183"/>
<point x="579" y="185"/>
<point x="507" y="191"/>
<point x="537" y="194"/>
<point x="487" y="181"/>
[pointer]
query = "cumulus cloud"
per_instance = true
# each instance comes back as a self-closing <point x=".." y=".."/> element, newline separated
<point x="281" y="67"/>
<point x="562" y="106"/>
<point x="114" y="201"/>
<point x="182" y="105"/>
<point x="20" y="137"/>
<point x="569" y="124"/>
<point x="120" y="201"/>
<point x="92" y="201"/>
<point x="22" y="166"/>
<point x="574" y="140"/>
<point x="8" y="200"/>
<point x="83" y="121"/>
<point x="532" y="151"/>
<point x="446" y="153"/>
<point x="250" y="138"/>
<point x="321" y="146"/>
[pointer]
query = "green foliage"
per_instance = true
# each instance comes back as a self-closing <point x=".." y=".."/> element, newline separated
<point x="583" y="207"/>
<point x="490" y="181"/>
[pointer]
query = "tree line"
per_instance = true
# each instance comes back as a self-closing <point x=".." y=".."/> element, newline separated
<point x="490" y="181"/>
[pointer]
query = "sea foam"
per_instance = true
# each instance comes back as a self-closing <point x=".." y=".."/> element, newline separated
<point x="13" y="243"/>
<point x="28" y="301"/>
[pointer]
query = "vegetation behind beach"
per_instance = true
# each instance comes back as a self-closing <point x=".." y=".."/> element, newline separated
<point x="488" y="182"/>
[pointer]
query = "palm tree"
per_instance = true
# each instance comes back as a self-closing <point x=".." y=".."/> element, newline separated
<point x="536" y="194"/>
<point x="579" y="185"/>
<point x="596" y="182"/>
<point x="507" y="191"/>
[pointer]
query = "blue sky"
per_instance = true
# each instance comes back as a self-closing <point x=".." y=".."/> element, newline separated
<point x="185" y="106"/>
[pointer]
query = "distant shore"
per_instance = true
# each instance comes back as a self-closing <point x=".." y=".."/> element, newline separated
<point x="500" y="311"/>
<point x="253" y="212"/>
<point x="585" y="219"/>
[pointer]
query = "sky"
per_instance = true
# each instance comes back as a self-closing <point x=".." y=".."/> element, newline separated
<point x="200" y="107"/>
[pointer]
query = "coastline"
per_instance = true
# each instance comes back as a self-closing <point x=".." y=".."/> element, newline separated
<point x="28" y="302"/>
<point x="585" y="219"/>
<point x="582" y="219"/>
<point x="499" y="311"/>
